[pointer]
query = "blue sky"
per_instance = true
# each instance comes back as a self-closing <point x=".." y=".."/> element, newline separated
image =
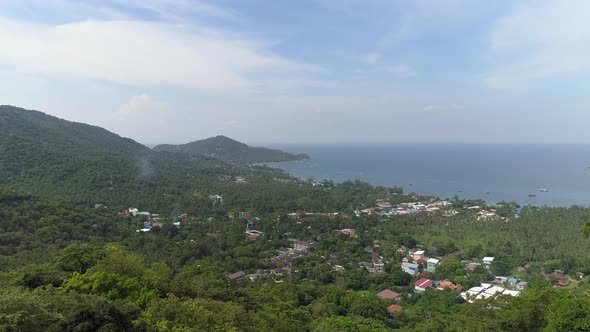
<point x="172" y="71"/>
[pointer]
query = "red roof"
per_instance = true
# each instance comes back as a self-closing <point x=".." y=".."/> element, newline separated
<point x="423" y="283"/>
<point x="395" y="308"/>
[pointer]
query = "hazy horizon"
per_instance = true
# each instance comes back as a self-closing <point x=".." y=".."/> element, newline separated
<point x="315" y="71"/>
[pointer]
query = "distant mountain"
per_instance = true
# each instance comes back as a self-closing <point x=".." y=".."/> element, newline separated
<point x="227" y="149"/>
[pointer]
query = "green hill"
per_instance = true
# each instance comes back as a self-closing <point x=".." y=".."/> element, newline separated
<point x="42" y="154"/>
<point x="230" y="150"/>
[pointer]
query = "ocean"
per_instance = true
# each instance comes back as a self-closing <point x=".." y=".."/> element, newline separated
<point x="490" y="172"/>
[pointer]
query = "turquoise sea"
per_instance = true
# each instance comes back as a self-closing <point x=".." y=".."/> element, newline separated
<point x="490" y="172"/>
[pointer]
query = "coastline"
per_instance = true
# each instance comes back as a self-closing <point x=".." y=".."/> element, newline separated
<point x="527" y="176"/>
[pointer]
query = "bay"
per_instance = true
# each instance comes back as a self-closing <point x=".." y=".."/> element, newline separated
<point x="492" y="172"/>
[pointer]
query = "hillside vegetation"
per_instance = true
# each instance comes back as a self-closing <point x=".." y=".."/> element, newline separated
<point x="230" y="150"/>
<point x="73" y="257"/>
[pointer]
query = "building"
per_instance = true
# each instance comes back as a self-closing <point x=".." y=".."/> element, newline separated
<point x="445" y="284"/>
<point x="422" y="285"/>
<point x="487" y="261"/>
<point x="253" y="234"/>
<point x="388" y="294"/>
<point x="236" y="275"/>
<point x="410" y="268"/>
<point x="378" y="267"/>
<point x="395" y="308"/>
<point x="418" y="255"/>
<point x="433" y="262"/>
<point x="347" y="231"/>
<point x="145" y="214"/>
<point x="522" y="285"/>
<point x="486" y="291"/>
<point x="216" y="198"/>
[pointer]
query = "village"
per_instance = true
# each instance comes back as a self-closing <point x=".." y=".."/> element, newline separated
<point x="421" y="267"/>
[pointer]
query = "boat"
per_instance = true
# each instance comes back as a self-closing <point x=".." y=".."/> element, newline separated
<point x="532" y="195"/>
<point x="544" y="190"/>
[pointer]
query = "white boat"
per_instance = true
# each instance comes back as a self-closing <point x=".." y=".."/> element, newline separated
<point x="543" y="190"/>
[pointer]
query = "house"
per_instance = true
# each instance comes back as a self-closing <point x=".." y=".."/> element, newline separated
<point x="485" y="291"/>
<point x="522" y="285"/>
<point x="133" y="211"/>
<point x="418" y="255"/>
<point x="410" y="268"/>
<point x="487" y="261"/>
<point x="501" y="279"/>
<point x="378" y="267"/>
<point x="486" y="214"/>
<point x="395" y="308"/>
<point x="253" y="234"/>
<point x="240" y="179"/>
<point x="216" y="198"/>
<point x="347" y="231"/>
<point x="388" y="294"/>
<point x="433" y="262"/>
<point x="445" y="284"/>
<point x="236" y="275"/>
<point x="145" y="214"/>
<point x="422" y="284"/>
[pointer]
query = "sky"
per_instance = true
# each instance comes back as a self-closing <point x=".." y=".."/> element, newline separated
<point x="306" y="71"/>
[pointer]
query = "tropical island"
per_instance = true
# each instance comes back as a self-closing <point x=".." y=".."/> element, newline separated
<point x="101" y="233"/>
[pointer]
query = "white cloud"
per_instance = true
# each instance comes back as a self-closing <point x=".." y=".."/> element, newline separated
<point x="140" y="105"/>
<point x="142" y="53"/>
<point x="401" y="70"/>
<point x="539" y="40"/>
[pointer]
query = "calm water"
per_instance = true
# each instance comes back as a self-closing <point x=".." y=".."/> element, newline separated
<point x="490" y="172"/>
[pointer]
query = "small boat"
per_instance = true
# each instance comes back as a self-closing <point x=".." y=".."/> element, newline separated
<point x="532" y="195"/>
<point x="544" y="190"/>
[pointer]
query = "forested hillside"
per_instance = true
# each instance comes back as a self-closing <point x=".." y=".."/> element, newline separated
<point x="128" y="239"/>
<point x="69" y="268"/>
<point x="230" y="150"/>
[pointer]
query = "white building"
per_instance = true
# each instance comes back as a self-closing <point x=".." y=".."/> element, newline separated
<point x="433" y="262"/>
<point x="410" y="268"/>
<point x="486" y="291"/>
